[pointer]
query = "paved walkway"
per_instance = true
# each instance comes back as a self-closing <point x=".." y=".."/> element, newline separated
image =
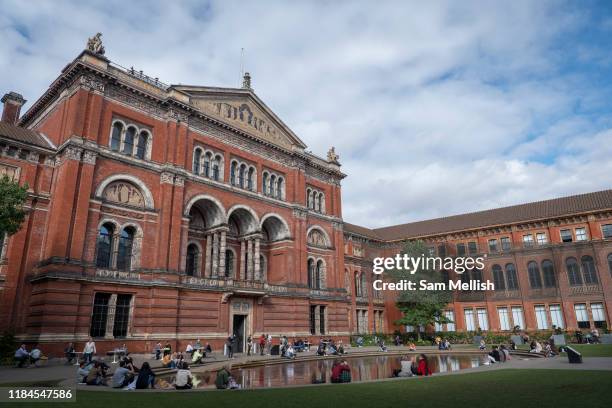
<point x="58" y="370"/>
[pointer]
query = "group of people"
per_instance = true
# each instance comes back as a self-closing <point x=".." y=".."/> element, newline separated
<point x="24" y="358"/>
<point x="330" y="348"/>
<point x="127" y="374"/>
<point x="413" y="366"/>
<point x="443" y="344"/>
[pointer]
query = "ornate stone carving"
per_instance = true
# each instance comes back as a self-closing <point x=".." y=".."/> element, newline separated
<point x="33" y="157"/>
<point x="338" y="226"/>
<point x="318" y="239"/>
<point x="91" y="83"/>
<point x="72" y="153"/>
<point x="179" y="181"/>
<point x="179" y="116"/>
<point x="123" y="193"/>
<point x="89" y="157"/>
<point x="300" y="214"/>
<point x="11" y="172"/>
<point x="94" y="44"/>
<point x="167" y="178"/>
<point x="135" y="101"/>
<point x="332" y="157"/>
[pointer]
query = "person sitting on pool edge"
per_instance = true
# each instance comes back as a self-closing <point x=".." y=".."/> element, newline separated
<point x="197" y="356"/>
<point x="183" y="379"/>
<point x="222" y="380"/>
<point x="423" y="366"/>
<point x="341" y="372"/>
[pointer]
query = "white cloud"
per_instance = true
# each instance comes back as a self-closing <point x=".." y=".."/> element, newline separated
<point x="436" y="108"/>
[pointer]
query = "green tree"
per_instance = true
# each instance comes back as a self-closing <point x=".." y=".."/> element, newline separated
<point x="12" y="198"/>
<point x="420" y="307"/>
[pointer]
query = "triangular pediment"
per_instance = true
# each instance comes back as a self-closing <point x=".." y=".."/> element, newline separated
<point x="242" y="109"/>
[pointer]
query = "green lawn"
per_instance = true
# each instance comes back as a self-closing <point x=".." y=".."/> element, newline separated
<point x="507" y="388"/>
<point x="593" y="350"/>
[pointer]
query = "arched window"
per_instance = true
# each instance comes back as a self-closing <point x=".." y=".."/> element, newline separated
<point x="311" y="273"/>
<point x="364" y="285"/>
<point x="193" y="253"/>
<point x="207" y="160"/>
<point x="511" y="277"/>
<point x="105" y="246"/>
<point x="316" y="201"/>
<point x="476" y="274"/>
<point x="264" y="184"/>
<point x="573" y="272"/>
<point x="124" y="252"/>
<point x="116" y="136"/>
<point x="128" y="142"/>
<point x="320" y="203"/>
<point x="357" y="285"/>
<point x="242" y="175"/>
<point x="535" y="280"/>
<point x="319" y="276"/>
<point x="280" y="187"/>
<point x="197" y="157"/>
<point x="548" y="270"/>
<point x="229" y="263"/>
<point x="272" y="185"/>
<point x="588" y="270"/>
<point x="141" y="148"/>
<point x="309" y="198"/>
<point x="610" y="262"/>
<point x="498" y="278"/>
<point x="215" y="167"/>
<point x="250" y="178"/>
<point x="233" y="175"/>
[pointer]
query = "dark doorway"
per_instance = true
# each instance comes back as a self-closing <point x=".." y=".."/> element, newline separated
<point x="239" y="331"/>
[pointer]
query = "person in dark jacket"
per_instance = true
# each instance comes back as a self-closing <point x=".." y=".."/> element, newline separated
<point x="495" y="354"/>
<point x="222" y="380"/>
<point x="146" y="377"/>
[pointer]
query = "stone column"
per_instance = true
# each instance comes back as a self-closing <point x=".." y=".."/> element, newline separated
<point x="222" y="247"/>
<point x="110" y="317"/>
<point x="215" y="255"/>
<point x="317" y="318"/>
<point x="250" y="259"/>
<point x="208" y="255"/>
<point x="242" y="260"/>
<point x="256" y="260"/>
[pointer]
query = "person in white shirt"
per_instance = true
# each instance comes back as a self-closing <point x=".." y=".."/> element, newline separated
<point x="189" y="349"/>
<point x="89" y="350"/>
<point x="183" y="379"/>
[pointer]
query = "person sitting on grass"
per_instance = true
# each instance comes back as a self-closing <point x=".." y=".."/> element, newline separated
<point x="22" y="356"/>
<point x="183" y="379"/>
<point x="222" y="380"/>
<point x="146" y="377"/>
<point x="122" y="376"/>
<point x="97" y="374"/>
<point x="423" y="366"/>
<point x="197" y="356"/>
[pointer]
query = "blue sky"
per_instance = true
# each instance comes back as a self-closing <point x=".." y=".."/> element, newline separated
<point x="436" y="109"/>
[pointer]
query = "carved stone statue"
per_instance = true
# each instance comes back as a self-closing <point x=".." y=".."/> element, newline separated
<point x="94" y="44"/>
<point x="332" y="156"/>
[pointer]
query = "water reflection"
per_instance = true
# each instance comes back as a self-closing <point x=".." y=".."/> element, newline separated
<point x="319" y="371"/>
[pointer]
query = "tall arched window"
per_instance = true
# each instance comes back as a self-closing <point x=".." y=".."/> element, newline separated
<point x="242" y="175"/>
<point x="357" y="285"/>
<point x="207" y="160"/>
<point x="309" y="198"/>
<point x="229" y="263"/>
<point x="193" y="253"/>
<point x="128" y="142"/>
<point x="511" y="277"/>
<point x="215" y="168"/>
<point x="476" y="274"/>
<point x="272" y="185"/>
<point x="116" y="136"/>
<point x="197" y="158"/>
<point x="573" y="272"/>
<point x="548" y="270"/>
<point x="535" y="280"/>
<point x="233" y="175"/>
<point x="498" y="278"/>
<point x="250" y="178"/>
<point x="280" y="187"/>
<point x="316" y="201"/>
<point x="588" y="270"/>
<point x="105" y="246"/>
<point x="311" y="273"/>
<point x="124" y="251"/>
<point x="264" y="184"/>
<point x="364" y="285"/>
<point x="141" y="147"/>
<point x="320" y="203"/>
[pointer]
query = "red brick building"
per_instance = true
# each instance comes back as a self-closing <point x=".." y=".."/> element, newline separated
<point x="169" y="213"/>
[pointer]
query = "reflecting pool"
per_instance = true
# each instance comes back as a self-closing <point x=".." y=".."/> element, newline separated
<point x="368" y="368"/>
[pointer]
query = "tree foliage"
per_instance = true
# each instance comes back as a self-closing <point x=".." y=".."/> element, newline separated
<point x="420" y="307"/>
<point x="12" y="198"/>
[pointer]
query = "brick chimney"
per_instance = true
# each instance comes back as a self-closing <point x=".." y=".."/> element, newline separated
<point x="12" y="107"/>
